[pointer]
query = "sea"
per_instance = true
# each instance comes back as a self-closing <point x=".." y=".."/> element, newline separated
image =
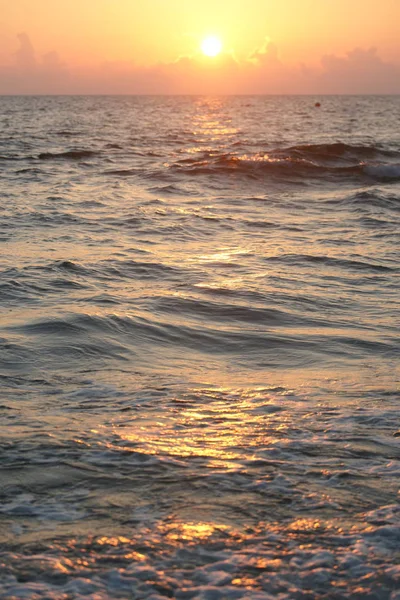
<point x="199" y="348"/>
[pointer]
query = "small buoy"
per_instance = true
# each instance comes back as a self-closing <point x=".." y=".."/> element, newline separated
<point x="317" y="104"/>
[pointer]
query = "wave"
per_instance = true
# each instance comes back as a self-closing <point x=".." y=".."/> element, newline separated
<point x="70" y="266"/>
<point x="117" y="269"/>
<point x="326" y="161"/>
<point x="298" y="163"/>
<point x="66" y="133"/>
<point x="341" y="150"/>
<point x="74" y="336"/>
<point x="68" y="155"/>
<point x="230" y="312"/>
<point x="367" y="198"/>
<point x="328" y="261"/>
<point x="170" y="189"/>
<point x="28" y="286"/>
<point x="123" y="172"/>
<point x="9" y="158"/>
<point x="140" y="270"/>
<point x="74" y="155"/>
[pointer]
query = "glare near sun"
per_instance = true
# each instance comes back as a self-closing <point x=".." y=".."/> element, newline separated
<point x="211" y="46"/>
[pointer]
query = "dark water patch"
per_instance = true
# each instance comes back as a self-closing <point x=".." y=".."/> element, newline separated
<point x="102" y="299"/>
<point x="260" y="224"/>
<point x="154" y="202"/>
<point x="141" y="330"/>
<point x="29" y="280"/>
<point x="170" y="190"/>
<point x="207" y="340"/>
<point x="123" y="172"/>
<point x="315" y="303"/>
<point x="223" y="312"/>
<point x="127" y="221"/>
<point x="53" y="217"/>
<point x="68" y="155"/>
<point x="69" y="266"/>
<point x="66" y="133"/>
<point x="140" y="269"/>
<point x="153" y="154"/>
<point x="110" y="269"/>
<point x="10" y="158"/>
<point x="14" y="291"/>
<point x="73" y="334"/>
<point x="367" y="199"/>
<point x="309" y="259"/>
<point x="390" y="348"/>
<point x="363" y="285"/>
<point x="61" y="283"/>
<point x="82" y="351"/>
<point x="68" y="338"/>
<point x="92" y="204"/>
<point x="14" y="356"/>
<point x="59" y="327"/>
<point x="379" y="224"/>
<point x="211" y="220"/>
<point x="340" y="150"/>
<point x="40" y="272"/>
<point x="29" y="170"/>
<point x="113" y="146"/>
<point x="45" y="218"/>
<point x="55" y="198"/>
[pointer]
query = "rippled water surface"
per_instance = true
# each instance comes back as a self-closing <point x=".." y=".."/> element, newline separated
<point x="199" y="348"/>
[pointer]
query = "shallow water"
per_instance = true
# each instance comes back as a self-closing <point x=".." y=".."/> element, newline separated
<point x="199" y="348"/>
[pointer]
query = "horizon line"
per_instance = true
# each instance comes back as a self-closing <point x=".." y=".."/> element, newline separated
<point x="172" y="95"/>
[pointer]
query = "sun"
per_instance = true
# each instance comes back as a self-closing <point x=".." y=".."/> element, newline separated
<point x="211" y="46"/>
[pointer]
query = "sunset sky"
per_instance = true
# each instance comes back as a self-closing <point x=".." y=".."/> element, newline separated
<point x="154" y="46"/>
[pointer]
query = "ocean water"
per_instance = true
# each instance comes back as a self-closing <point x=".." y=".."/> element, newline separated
<point x="199" y="348"/>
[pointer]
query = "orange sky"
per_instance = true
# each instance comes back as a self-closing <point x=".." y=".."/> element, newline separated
<point x="103" y="46"/>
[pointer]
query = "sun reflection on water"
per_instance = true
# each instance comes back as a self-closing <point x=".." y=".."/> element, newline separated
<point x="191" y="531"/>
<point x="225" y="430"/>
<point x="211" y="123"/>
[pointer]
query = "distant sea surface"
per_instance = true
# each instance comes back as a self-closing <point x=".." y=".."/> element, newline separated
<point x="199" y="348"/>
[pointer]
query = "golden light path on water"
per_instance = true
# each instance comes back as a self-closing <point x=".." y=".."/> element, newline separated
<point x="223" y="432"/>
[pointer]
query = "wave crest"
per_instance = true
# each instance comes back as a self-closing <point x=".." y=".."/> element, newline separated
<point x="327" y="161"/>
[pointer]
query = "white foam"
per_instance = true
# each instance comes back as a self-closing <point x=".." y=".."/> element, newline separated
<point x="383" y="171"/>
<point x="27" y="506"/>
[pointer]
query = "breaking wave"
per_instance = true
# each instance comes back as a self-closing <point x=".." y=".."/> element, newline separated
<point x="320" y="161"/>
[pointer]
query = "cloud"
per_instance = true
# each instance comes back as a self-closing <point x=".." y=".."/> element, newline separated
<point x="25" y="55"/>
<point x="360" y="71"/>
<point x="29" y="75"/>
<point x="266" y="55"/>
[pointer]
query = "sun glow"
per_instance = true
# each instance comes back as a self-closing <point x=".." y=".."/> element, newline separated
<point x="211" y="46"/>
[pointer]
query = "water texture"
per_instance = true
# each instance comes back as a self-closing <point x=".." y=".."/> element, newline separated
<point x="199" y="348"/>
